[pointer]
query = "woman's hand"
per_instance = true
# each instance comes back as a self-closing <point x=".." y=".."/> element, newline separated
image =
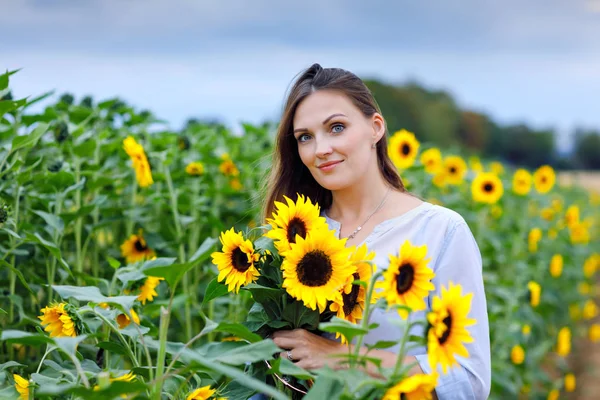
<point x="308" y="350"/>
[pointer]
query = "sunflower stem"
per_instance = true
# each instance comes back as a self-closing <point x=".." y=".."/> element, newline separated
<point x="185" y="279"/>
<point x="13" y="259"/>
<point x="162" y="350"/>
<point x="366" y="315"/>
<point x="400" y="358"/>
<point x="129" y="226"/>
<point x="49" y="349"/>
<point x="78" y="223"/>
<point x="52" y="274"/>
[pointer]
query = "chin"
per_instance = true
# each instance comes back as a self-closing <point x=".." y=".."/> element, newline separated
<point x="333" y="184"/>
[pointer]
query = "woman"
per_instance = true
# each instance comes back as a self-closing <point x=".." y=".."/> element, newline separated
<point x="331" y="146"/>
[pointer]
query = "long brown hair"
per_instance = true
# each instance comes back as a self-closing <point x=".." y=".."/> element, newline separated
<point x="289" y="175"/>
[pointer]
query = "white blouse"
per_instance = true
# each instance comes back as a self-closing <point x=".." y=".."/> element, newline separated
<point x="454" y="256"/>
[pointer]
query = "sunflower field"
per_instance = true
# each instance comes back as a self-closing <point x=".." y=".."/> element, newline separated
<point x="121" y="243"/>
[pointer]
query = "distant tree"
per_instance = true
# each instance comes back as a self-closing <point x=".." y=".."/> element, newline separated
<point x="587" y="149"/>
<point x="473" y="130"/>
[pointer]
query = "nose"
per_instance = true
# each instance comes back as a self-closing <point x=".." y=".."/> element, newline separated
<point x="323" y="147"/>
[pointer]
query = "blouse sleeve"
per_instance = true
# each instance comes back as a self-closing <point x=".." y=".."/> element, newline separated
<point x="459" y="261"/>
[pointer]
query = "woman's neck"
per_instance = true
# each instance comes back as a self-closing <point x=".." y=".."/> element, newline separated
<point x="358" y="201"/>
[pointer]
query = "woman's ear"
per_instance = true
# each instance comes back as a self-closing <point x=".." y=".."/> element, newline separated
<point x="378" y="124"/>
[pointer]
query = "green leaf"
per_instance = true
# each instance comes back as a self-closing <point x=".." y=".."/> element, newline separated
<point x="21" y="337"/>
<point x="113" y="262"/>
<point x="85" y="149"/>
<point x="68" y="345"/>
<point x="171" y="273"/>
<point x="10" y="364"/>
<point x="325" y="388"/>
<point x="214" y="290"/>
<point x="51" y="247"/>
<point x="382" y="344"/>
<point x="53" y="220"/>
<point x="346" y="328"/>
<point x="92" y="294"/>
<point x="263" y="294"/>
<point x="204" y="250"/>
<point x="246" y="353"/>
<point x="29" y="140"/>
<point x="113" y="347"/>
<point x="19" y="274"/>
<point x="238" y="330"/>
<point x="300" y="316"/>
<point x="283" y="366"/>
<point x="11" y="233"/>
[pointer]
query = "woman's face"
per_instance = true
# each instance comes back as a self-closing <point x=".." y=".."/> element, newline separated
<point x="334" y="138"/>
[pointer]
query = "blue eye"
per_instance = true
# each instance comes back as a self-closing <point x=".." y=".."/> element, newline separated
<point x="337" y="126"/>
<point x="301" y="137"/>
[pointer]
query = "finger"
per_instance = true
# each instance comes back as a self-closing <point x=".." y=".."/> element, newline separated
<point x="285" y="355"/>
<point x="285" y="342"/>
<point x="288" y="334"/>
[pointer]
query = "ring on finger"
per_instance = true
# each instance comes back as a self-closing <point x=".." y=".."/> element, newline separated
<point x="289" y="355"/>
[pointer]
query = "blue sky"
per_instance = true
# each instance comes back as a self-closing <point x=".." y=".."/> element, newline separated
<point x="535" y="61"/>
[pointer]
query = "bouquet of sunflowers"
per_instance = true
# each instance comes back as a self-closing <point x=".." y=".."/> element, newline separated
<point x="300" y="275"/>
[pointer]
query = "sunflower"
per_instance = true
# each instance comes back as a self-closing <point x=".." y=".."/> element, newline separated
<point x="448" y="331"/>
<point x="415" y="387"/>
<point x="547" y="214"/>
<point x="432" y="160"/>
<point x="544" y="178"/>
<point x="556" y="265"/>
<point x="526" y="330"/>
<point x="136" y="249"/>
<point x="579" y="233"/>
<point x="455" y="170"/>
<point x="590" y="309"/>
<point x="403" y="149"/>
<point x="128" y="377"/>
<point x="554" y="394"/>
<point x="59" y="320"/>
<point x="535" y="235"/>
<point x="22" y="386"/>
<point x="517" y="355"/>
<point x="407" y="280"/>
<point x="535" y="291"/>
<point x="148" y="289"/>
<point x="521" y="182"/>
<point x="316" y="268"/>
<point x="572" y="215"/>
<point x="584" y="288"/>
<point x="351" y="303"/>
<point x="487" y="188"/>
<point x="563" y="343"/>
<point x="294" y="220"/>
<point x="496" y="167"/>
<point x="202" y="393"/>
<point x="236" y="184"/>
<point x="123" y="320"/>
<point x="475" y="164"/>
<point x="594" y="333"/>
<point x="135" y="151"/>
<point x="227" y="166"/>
<point x="236" y="261"/>
<point x="569" y="383"/>
<point x="194" y="168"/>
<point x="590" y="265"/>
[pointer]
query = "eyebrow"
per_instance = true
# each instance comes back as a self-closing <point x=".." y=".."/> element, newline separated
<point x="324" y="122"/>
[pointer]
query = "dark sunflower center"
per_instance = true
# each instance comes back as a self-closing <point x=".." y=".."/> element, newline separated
<point x="405" y="149"/>
<point x="448" y="322"/>
<point x="314" y="269"/>
<point x="239" y="260"/>
<point x="403" y="396"/>
<point x="453" y="170"/>
<point x="405" y="278"/>
<point x="543" y="179"/>
<point x="140" y="245"/>
<point x="488" y="187"/>
<point x="296" y="227"/>
<point x="350" y="298"/>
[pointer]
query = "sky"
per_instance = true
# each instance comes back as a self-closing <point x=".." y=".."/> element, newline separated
<point x="535" y="62"/>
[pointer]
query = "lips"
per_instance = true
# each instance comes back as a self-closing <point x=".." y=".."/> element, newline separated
<point x="328" y="164"/>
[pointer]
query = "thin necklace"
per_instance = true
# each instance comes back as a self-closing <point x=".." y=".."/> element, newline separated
<point x="351" y="236"/>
